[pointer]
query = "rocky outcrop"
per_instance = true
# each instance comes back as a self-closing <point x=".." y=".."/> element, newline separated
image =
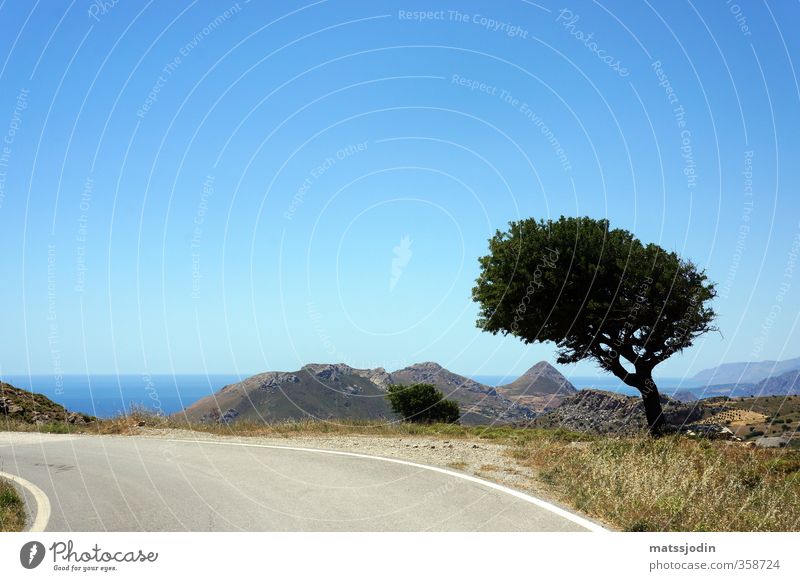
<point x="34" y="408"/>
<point x="711" y="432"/>
<point x="604" y="412"/>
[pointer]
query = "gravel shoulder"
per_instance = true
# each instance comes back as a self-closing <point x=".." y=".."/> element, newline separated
<point x="488" y="460"/>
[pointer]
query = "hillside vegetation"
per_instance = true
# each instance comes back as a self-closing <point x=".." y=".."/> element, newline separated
<point x="12" y="508"/>
<point x="21" y="406"/>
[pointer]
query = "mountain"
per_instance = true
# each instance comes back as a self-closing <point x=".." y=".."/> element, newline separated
<point x="684" y="395"/>
<point x="541" y="379"/>
<point x="315" y="391"/>
<point x="34" y="408"/>
<point x="784" y="384"/>
<point x="328" y="391"/>
<point x="746" y="372"/>
<point x="540" y="388"/>
<point x="480" y="404"/>
<point x="604" y="412"/>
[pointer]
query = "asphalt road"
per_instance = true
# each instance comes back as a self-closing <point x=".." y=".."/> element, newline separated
<point x="104" y="483"/>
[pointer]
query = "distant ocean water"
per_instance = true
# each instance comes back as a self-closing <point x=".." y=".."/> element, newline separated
<point x="109" y="395"/>
<point x="105" y="396"/>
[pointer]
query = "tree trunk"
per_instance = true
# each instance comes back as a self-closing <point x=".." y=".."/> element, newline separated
<point x="652" y="405"/>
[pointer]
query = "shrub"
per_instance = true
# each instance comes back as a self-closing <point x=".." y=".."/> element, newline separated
<point x="422" y="403"/>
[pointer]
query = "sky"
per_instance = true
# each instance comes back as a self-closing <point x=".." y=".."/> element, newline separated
<point x="215" y="187"/>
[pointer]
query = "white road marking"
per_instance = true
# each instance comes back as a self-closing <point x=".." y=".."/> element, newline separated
<point x="42" y="502"/>
<point x="585" y="523"/>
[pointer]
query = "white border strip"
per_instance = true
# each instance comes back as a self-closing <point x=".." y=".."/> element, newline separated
<point x="585" y="523"/>
<point x="42" y="503"/>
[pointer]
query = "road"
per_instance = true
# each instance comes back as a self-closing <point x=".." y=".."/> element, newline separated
<point x="108" y="483"/>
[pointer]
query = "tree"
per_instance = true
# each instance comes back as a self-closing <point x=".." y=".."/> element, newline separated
<point x="597" y="293"/>
<point x="422" y="403"/>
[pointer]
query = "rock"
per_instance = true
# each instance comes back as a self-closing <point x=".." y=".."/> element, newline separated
<point x="228" y="416"/>
<point x="76" y="418"/>
<point x="8" y="407"/>
<point x="771" y="442"/>
<point x="711" y="431"/>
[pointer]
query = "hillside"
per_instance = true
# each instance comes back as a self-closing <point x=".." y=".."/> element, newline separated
<point x="604" y="412"/>
<point x="753" y="417"/>
<point x="746" y="371"/>
<point x="785" y="384"/>
<point x="327" y="391"/>
<point x="313" y="392"/>
<point x="480" y="404"/>
<point x="540" y="388"/>
<point x="33" y="408"/>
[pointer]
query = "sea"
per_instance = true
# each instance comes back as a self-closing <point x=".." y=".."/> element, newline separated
<point x="106" y="396"/>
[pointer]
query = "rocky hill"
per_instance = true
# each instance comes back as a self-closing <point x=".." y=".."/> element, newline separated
<point x="604" y="412"/>
<point x="540" y="388"/>
<point x="328" y="391"/>
<point x="480" y="404"/>
<point x="313" y="392"/>
<point x="34" y="408"/>
<point x="784" y="384"/>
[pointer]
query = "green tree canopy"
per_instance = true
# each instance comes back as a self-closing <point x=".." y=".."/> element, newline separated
<point x="422" y="403"/>
<point x="597" y="293"/>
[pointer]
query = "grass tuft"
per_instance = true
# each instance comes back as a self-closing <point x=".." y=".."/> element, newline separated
<point x="12" y="508"/>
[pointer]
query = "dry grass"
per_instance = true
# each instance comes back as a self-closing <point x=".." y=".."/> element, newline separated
<point x="673" y="483"/>
<point x="12" y="508"/>
<point x="139" y="419"/>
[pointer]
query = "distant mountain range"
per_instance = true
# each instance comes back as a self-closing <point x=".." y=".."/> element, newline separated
<point x="747" y="372"/>
<point x="330" y="391"/>
<point x="746" y="379"/>
<point x="326" y="391"/>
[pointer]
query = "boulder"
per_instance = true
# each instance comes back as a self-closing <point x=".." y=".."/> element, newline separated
<point x="771" y="442"/>
<point x="711" y="431"/>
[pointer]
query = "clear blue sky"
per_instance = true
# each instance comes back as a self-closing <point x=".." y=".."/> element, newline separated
<point x="235" y="187"/>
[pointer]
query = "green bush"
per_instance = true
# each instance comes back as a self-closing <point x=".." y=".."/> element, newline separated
<point x="422" y="403"/>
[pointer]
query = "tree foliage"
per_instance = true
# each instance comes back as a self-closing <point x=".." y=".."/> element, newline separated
<point x="597" y="293"/>
<point x="422" y="403"/>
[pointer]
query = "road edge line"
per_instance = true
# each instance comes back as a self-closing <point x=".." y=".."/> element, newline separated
<point x="579" y="520"/>
<point x="42" y="517"/>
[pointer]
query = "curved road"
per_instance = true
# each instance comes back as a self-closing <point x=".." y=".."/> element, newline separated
<point x="106" y="483"/>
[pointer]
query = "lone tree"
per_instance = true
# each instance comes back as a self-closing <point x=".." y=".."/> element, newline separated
<point x="597" y="293"/>
<point x="422" y="403"/>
